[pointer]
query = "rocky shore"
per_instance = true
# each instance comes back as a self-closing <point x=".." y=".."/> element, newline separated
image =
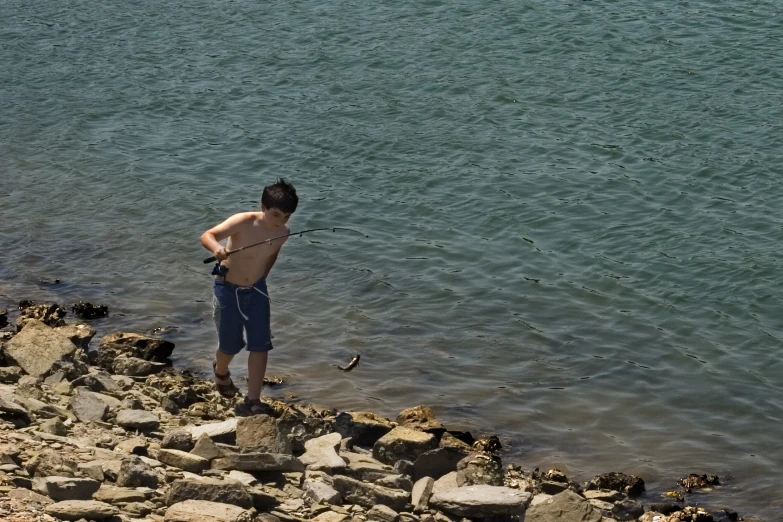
<point x="114" y="432"/>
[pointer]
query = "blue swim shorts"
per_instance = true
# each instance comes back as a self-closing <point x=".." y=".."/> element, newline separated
<point x="237" y="308"/>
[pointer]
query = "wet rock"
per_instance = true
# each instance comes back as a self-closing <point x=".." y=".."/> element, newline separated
<point x="54" y="427"/>
<point x="259" y="462"/>
<point x="480" y="468"/>
<point x="421" y="493"/>
<point x="448" y="440"/>
<point x="67" y="488"/>
<point x="382" y="514"/>
<point x="629" y="484"/>
<point x="261" y="432"/>
<point x="489" y="444"/>
<point x="51" y="315"/>
<point x="178" y="440"/>
<point x="563" y="507"/>
<point x="135" y="473"/>
<point x="89" y="310"/>
<point x="369" y="495"/>
<point x="482" y="501"/>
<point x="38" y="349"/>
<point x="365" y="428"/>
<point x="10" y="374"/>
<point x="136" y="367"/>
<point x="183" y="460"/>
<point x="665" y="508"/>
<point x="137" y="420"/>
<point x="87" y="406"/>
<point x="79" y="334"/>
<point x="436" y="463"/>
<point x="205" y="511"/>
<point x="627" y="510"/>
<point x="81" y="509"/>
<point x="122" y="344"/>
<point x="321" y="453"/>
<point x="689" y="514"/>
<point x="317" y="492"/>
<point x="694" y="481"/>
<point x="421" y="418"/>
<point x="213" y="490"/>
<point x="50" y="462"/>
<point x="403" y="444"/>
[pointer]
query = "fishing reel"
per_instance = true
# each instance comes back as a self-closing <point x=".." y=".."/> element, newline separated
<point x="219" y="270"/>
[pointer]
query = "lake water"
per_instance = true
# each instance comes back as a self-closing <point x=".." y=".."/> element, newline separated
<point x="573" y="208"/>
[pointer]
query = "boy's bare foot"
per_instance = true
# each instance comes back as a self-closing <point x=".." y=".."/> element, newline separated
<point x="223" y="383"/>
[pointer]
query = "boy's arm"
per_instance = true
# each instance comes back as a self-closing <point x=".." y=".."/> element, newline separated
<point x="271" y="260"/>
<point x="211" y="238"/>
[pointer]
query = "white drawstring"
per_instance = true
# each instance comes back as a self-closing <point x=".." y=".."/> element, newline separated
<point x="236" y="294"/>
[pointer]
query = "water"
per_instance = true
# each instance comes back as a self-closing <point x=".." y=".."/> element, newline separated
<point x="572" y="208"/>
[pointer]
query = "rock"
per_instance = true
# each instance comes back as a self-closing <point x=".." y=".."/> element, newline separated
<point x="67" y="488"/>
<point x="135" y="473"/>
<point x="79" y="509"/>
<point x="382" y="514"/>
<point x="51" y="315"/>
<point x="87" y="406"/>
<point x="89" y="310"/>
<point x="178" y="440"/>
<point x="317" y="492"/>
<point x="3" y="317"/>
<point x="261" y="432"/>
<point x="404" y="467"/>
<point x="78" y="334"/>
<point x="448" y="440"/>
<point x="139" y="346"/>
<point x="92" y="470"/>
<point x="627" y="510"/>
<point x="420" y="496"/>
<point x="98" y="381"/>
<point x="403" y="444"/>
<point x="365" y="428"/>
<point x="26" y="495"/>
<point x="606" y="495"/>
<point x="14" y="412"/>
<point x="369" y="495"/>
<point x="10" y="374"/>
<point x="243" y="478"/>
<point x="183" y="460"/>
<point x="436" y="463"/>
<point x="134" y="446"/>
<point x="330" y="516"/>
<point x="363" y="467"/>
<point x="136" y="367"/>
<point x="694" y="481"/>
<point x="205" y="511"/>
<point x="116" y="495"/>
<point x="480" y="468"/>
<point x="259" y="462"/>
<point x="396" y="482"/>
<point x="629" y="484"/>
<point x="224" y="432"/>
<point x="481" y="501"/>
<point x="54" y="427"/>
<point x="207" y="449"/>
<point x="39" y="350"/>
<point x="563" y="507"/>
<point x="321" y="453"/>
<point x="664" y="508"/>
<point x="50" y="462"/>
<point x="138" y="420"/>
<point x="446" y="482"/>
<point x="552" y="488"/>
<point x="213" y="490"/>
<point x="421" y="418"/>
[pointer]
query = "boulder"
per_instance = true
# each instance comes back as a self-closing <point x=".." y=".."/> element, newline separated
<point x="115" y="495"/>
<point x="53" y="427"/>
<point x="480" y="468"/>
<point x="243" y="478"/>
<point x="136" y="367"/>
<point x="420" y="496"/>
<point x="87" y="406"/>
<point x="178" y="440"/>
<point x="81" y="509"/>
<point x="49" y="314"/>
<point x="436" y="463"/>
<point x="261" y="432"/>
<point x="138" y="420"/>
<point x="421" y="418"/>
<point x="448" y="440"/>
<point x="26" y="495"/>
<point x="66" y="488"/>
<point x="98" y="381"/>
<point x="403" y="482"/>
<point x="207" y="449"/>
<point x="51" y="463"/>
<point x="213" y="490"/>
<point x="382" y="514"/>
<point x="626" y="510"/>
<point x="39" y="350"/>
<point x="183" y="460"/>
<point x="205" y="511"/>
<point x="321" y="453"/>
<point x="78" y="334"/>
<point x="368" y="495"/>
<point x="403" y="444"/>
<point x="446" y="482"/>
<point x="631" y="485"/>
<point x="139" y="346"/>
<point x="482" y="501"/>
<point x="365" y="428"/>
<point x="363" y="467"/>
<point x="135" y="473"/>
<point x="317" y="492"/>
<point x="259" y="462"/>
<point x="564" y="507"/>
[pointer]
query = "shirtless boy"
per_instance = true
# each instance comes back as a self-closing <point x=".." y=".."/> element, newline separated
<point x="241" y="300"/>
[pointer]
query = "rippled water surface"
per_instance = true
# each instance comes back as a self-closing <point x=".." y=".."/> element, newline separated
<point x="573" y="208"/>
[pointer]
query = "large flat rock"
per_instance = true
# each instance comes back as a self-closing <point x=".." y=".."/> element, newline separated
<point x="481" y="501"/>
<point x="79" y="509"/>
<point x="205" y="511"/>
<point x="37" y="349"/>
<point x="259" y="462"/>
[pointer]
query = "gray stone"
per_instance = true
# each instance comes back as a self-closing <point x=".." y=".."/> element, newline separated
<point x="132" y="446"/>
<point x="607" y="495"/>
<point x="29" y="496"/>
<point x="261" y="432"/>
<point x="244" y="478"/>
<point x="331" y="516"/>
<point x="183" y="460"/>
<point x="259" y="462"/>
<point x="12" y="411"/>
<point x="138" y="420"/>
<point x="420" y="496"/>
<point x="178" y="440"/>
<point x="364" y="467"/>
<point x="78" y="509"/>
<point x="481" y="501"/>
<point x="87" y="407"/>
<point x="382" y="514"/>
<point x="98" y="381"/>
<point x="10" y="374"/>
<point x="53" y="426"/>
<point x="446" y="482"/>
<point x="135" y="473"/>
<point x="205" y="511"/>
<point x="563" y="507"/>
<point x="219" y="432"/>
<point x="403" y="444"/>
<point x="38" y="349"/>
<point x="447" y="440"/>
<point x="213" y="490"/>
<point x="66" y="488"/>
<point x="480" y="468"/>
<point x="317" y="492"/>
<point x="421" y="418"/>
<point x="368" y="495"/>
<point x="626" y="510"/>
<point x="116" y="495"/>
<point x="396" y="481"/>
<point x="143" y="347"/>
<point x="92" y="470"/>
<point x="437" y="462"/>
<point x="78" y="334"/>
<point x="49" y="463"/>
<point x="365" y="428"/>
<point x="321" y="453"/>
<point x="136" y="367"/>
<point x="207" y="449"/>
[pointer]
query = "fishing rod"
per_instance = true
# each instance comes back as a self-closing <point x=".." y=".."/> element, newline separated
<point x="299" y="233"/>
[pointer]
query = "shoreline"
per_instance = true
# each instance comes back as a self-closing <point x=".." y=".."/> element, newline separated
<point x="143" y="405"/>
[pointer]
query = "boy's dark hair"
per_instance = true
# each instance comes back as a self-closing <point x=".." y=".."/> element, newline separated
<point x="280" y="195"/>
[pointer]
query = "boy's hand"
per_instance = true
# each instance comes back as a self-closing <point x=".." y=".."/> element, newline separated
<point x="220" y="254"/>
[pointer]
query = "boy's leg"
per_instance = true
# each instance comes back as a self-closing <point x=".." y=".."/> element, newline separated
<point x="222" y="360"/>
<point x="256" y="369"/>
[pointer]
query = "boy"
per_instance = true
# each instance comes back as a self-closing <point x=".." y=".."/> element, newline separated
<point x="241" y="297"/>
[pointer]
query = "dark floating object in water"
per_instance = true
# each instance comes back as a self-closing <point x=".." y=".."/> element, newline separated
<point x="694" y="481"/>
<point x="26" y="304"/>
<point x="89" y="310"/>
<point x="48" y="282"/>
<point x="164" y="329"/>
<point x="351" y="365"/>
